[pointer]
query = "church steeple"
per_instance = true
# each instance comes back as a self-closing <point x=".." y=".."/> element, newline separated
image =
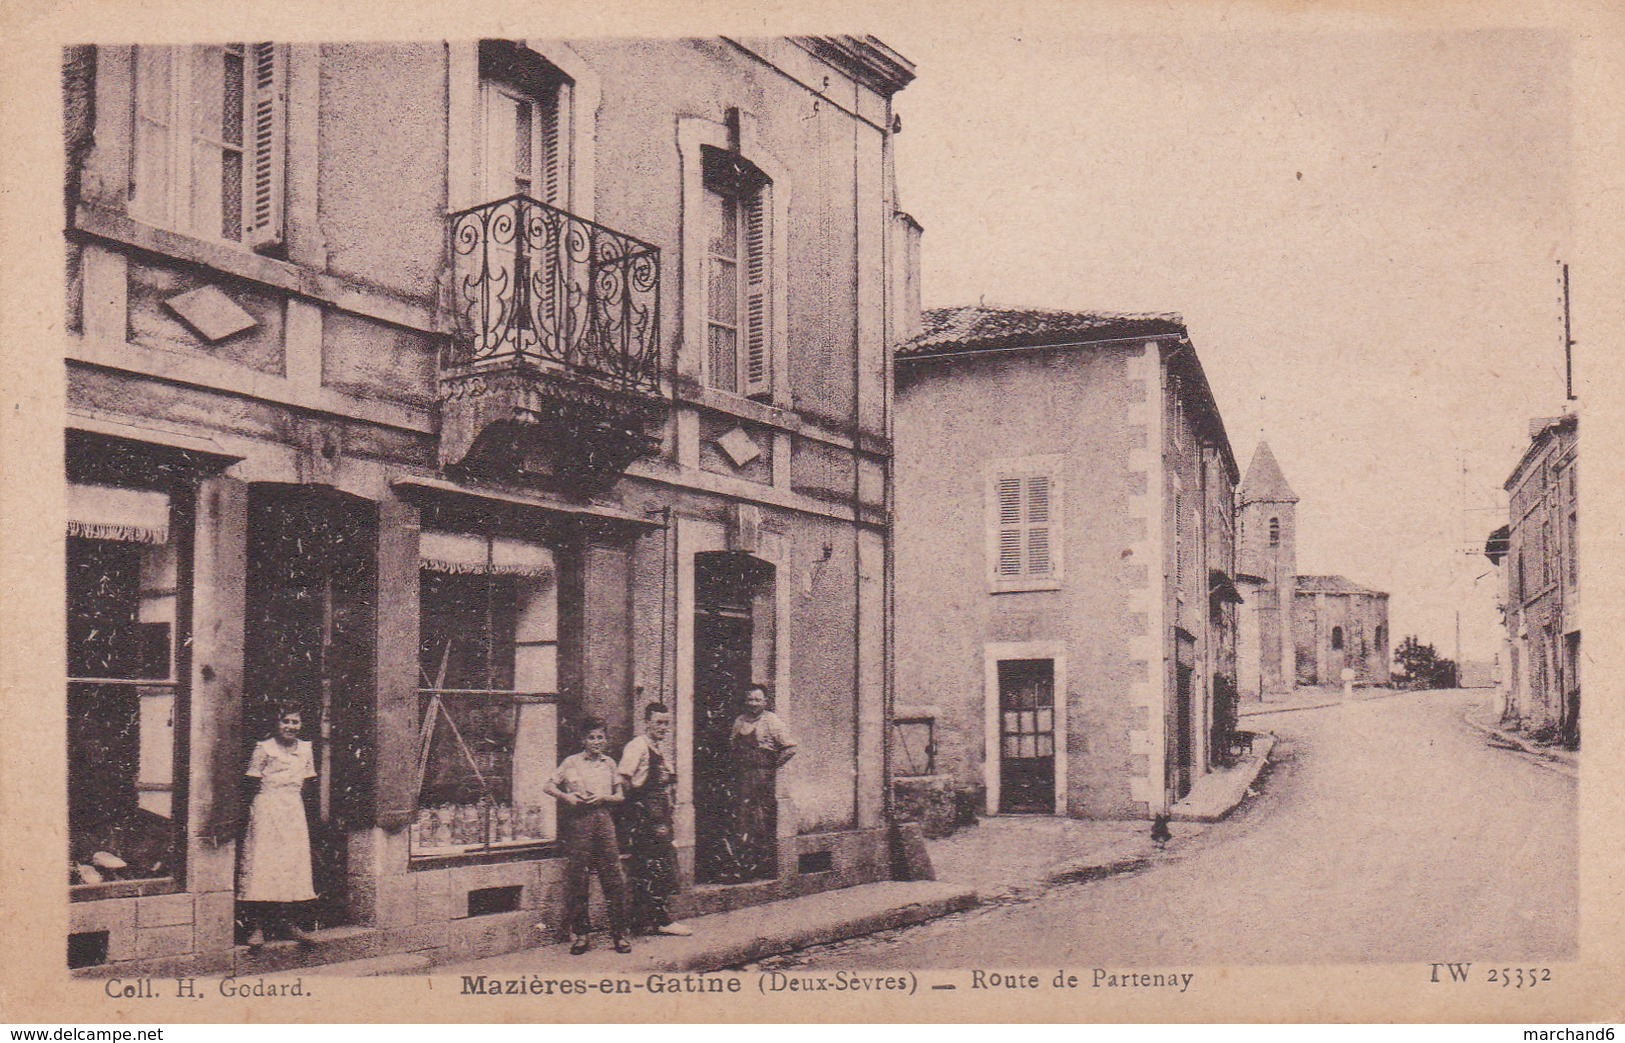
<point x="1264" y="482"/>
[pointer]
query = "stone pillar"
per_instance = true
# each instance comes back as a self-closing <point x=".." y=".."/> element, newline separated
<point x="379" y="885"/>
<point x="606" y="642"/>
<point x="218" y="754"/>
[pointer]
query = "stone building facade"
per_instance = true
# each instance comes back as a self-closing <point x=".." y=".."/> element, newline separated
<point x="1542" y="569"/>
<point x="1298" y="629"/>
<point x="1065" y="558"/>
<point x="452" y="393"/>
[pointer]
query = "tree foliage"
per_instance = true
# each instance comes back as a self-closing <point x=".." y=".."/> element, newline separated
<point x="1421" y="666"/>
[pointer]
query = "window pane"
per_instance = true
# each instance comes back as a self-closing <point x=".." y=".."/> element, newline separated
<point x="1011" y="746"/>
<point x="150" y="199"/>
<point x="535" y="754"/>
<point x="1046" y="720"/>
<point x="1046" y="746"/>
<point x="156" y="772"/>
<point x="466" y="631"/>
<point x="231" y="196"/>
<point x="231" y="97"/>
<point x="120" y="620"/>
<point x="1027" y="747"/>
<point x="723" y="224"/>
<point x="724" y="358"/>
<point x="470" y="752"/>
<point x="523" y="127"/>
<point x="722" y="300"/>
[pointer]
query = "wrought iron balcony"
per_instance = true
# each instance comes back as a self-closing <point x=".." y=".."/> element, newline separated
<point x="555" y="353"/>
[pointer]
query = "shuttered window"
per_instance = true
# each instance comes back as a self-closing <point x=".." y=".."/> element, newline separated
<point x="210" y="137"/>
<point x="738" y="283"/>
<point x="522" y="142"/>
<point x="1026" y="536"/>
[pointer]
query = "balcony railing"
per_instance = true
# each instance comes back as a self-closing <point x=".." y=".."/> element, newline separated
<point x="534" y="284"/>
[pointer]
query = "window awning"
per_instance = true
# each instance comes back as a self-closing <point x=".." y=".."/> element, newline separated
<point x="1220" y="588"/>
<point x="106" y="512"/>
<point x="484" y="556"/>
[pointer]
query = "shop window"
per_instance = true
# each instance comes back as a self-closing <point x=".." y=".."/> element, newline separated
<point x="208" y="157"/>
<point x="122" y="578"/>
<point x="488" y="684"/>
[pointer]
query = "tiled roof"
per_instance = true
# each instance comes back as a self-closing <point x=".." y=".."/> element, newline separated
<point x="947" y="331"/>
<point x="1331" y="585"/>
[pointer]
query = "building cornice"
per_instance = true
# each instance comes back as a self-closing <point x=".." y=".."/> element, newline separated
<point x="864" y="58"/>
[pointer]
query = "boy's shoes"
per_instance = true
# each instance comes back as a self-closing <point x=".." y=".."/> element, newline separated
<point x="299" y="935"/>
<point x="622" y="945"/>
<point x="579" y="944"/>
<point x="256" y="938"/>
<point x="677" y="930"/>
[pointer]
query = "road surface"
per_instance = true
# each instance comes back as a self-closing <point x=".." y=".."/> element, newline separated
<point x="1389" y="831"/>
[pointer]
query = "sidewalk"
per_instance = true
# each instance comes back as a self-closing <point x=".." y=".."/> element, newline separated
<point x="1003" y="858"/>
<point x="724" y="940"/>
<point x="1009" y="857"/>
<point x="1482" y="717"/>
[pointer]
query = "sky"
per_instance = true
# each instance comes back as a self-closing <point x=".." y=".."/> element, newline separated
<point x="1362" y="230"/>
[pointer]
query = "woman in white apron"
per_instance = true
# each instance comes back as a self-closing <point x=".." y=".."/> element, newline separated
<point x="275" y="870"/>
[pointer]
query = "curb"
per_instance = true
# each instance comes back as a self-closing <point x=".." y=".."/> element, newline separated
<point x="1267" y="741"/>
<point x="737" y="954"/>
<point x="1511" y="739"/>
<point x="1266" y="708"/>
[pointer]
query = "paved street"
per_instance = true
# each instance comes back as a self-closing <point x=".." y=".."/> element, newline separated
<point x="1389" y="831"/>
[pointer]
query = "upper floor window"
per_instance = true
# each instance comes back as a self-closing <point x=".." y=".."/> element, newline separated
<point x="738" y="276"/>
<point x="522" y="141"/>
<point x="1024" y="548"/>
<point x="210" y="140"/>
<point x="1337" y="638"/>
<point x="1275" y="532"/>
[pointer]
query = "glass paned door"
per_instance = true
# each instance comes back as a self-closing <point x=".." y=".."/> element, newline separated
<point x="1027" y="736"/>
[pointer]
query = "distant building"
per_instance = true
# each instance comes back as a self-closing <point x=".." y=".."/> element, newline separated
<point x="1297" y="630"/>
<point x="1543" y="584"/>
<point x="1065" y="558"/>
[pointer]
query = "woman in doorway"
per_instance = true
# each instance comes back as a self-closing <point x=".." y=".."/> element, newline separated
<point x="275" y="871"/>
<point x="762" y="744"/>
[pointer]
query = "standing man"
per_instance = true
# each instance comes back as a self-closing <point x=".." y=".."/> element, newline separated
<point x="648" y="782"/>
<point x="586" y="786"/>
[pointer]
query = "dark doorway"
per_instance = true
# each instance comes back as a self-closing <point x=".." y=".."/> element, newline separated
<point x="1569" y="726"/>
<point x="1027" y="736"/>
<point x="312" y="580"/>
<point x="727" y="590"/>
<point x="1184" y="741"/>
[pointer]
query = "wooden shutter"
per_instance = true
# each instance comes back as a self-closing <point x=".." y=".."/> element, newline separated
<point x="1038" y="526"/>
<point x="758" y="358"/>
<point x="1010" y="529"/>
<point x="266" y="97"/>
<point x="550" y="163"/>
